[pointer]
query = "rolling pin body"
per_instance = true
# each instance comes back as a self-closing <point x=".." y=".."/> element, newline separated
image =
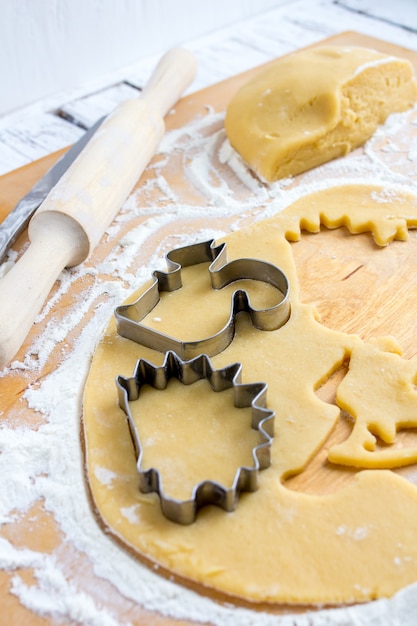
<point x="75" y="214"/>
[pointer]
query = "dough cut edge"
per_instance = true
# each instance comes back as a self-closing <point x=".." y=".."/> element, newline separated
<point x="262" y="142"/>
<point x="257" y="240"/>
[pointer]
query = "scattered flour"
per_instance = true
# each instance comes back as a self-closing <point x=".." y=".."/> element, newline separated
<point x="46" y="463"/>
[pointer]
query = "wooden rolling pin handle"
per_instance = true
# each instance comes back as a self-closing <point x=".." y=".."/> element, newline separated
<point x="176" y="67"/>
<point x="75" y="214"/>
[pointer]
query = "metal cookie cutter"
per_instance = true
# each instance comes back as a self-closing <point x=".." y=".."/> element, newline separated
<point x="222" y="273"/>
<point x="245" y="395"/>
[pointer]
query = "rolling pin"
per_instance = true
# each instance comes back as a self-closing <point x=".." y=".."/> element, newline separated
<point x="76" y="212"/>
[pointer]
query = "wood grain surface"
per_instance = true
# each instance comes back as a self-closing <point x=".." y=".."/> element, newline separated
<point x="389" y="310"/>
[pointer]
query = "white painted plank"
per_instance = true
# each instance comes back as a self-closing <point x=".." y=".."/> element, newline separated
<point x="332" y="17"/>
<point x="88" y="110"/>
<point x="402" y="13"/>
<point x="10" y="159"/>
<point x="34" y="138"/>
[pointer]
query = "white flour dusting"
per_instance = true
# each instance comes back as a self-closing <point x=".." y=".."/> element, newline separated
<point x="45" y="463"/>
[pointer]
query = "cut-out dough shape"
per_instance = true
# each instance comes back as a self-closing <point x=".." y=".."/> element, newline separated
<point x="279" y="545"/>
<point x="381" y="403"/>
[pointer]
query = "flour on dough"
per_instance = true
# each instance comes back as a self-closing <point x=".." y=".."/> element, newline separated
<point x="280" y="545"/>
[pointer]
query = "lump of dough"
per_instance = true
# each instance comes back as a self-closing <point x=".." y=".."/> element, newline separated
<point x="315" y="105"/>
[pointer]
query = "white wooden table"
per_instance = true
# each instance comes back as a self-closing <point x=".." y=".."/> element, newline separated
<point x="31" y="134"/>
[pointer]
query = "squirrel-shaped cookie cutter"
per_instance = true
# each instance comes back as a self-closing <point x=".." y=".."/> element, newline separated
<point x="222" y="273"/>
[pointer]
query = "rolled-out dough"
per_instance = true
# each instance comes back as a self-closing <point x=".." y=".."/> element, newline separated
<point x="315" y="105"/>
<point x="279" y="546"/>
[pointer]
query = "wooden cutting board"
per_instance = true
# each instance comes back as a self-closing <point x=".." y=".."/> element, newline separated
<point x="37" y="528"/>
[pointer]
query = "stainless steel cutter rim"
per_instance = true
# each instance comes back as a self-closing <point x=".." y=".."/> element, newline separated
<point x="245" y="395"/>
<point x="222" y="273"/>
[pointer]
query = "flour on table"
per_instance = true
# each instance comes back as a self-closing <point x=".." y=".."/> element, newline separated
<point x="46" y="463"/>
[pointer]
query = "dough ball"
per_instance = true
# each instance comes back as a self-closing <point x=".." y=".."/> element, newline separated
<point x="315" y="105"/>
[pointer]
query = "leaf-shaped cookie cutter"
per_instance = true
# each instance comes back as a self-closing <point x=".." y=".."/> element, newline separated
<point x="245" y="395"/>
<point x="222" y="273"/>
